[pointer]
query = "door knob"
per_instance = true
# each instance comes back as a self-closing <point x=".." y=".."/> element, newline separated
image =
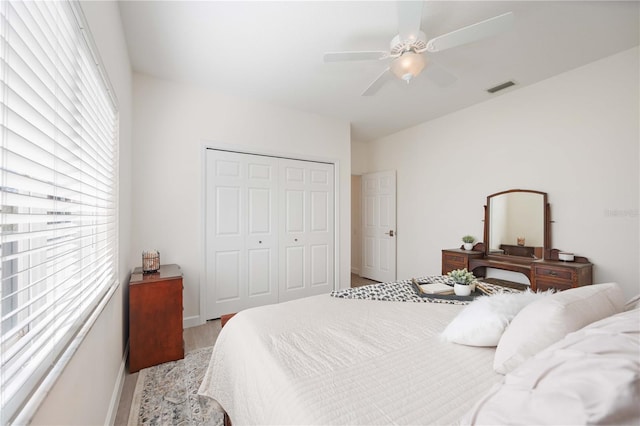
<point x="390" y="233"/>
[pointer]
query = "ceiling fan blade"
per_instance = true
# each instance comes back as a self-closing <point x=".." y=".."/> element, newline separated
<point x="475" y="32"/>
<point x="354" y="56"/>
<point x="378" y="83"/>
<point x="440" y="76"/>
<point x="409" y="19"/>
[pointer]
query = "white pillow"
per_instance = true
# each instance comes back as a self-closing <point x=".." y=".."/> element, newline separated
<point x="589" y="377"/>
<point x="633" y="303"/>
<point x="482" y="322"/>
<point x="549" y="319"/>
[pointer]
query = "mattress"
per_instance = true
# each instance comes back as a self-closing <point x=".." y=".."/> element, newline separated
<point x="324" y="360"/>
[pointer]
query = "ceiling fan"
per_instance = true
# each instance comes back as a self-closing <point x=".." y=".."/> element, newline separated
<point x="407" y="49"/>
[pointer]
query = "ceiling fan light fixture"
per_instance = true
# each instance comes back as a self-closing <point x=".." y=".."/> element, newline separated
<point x="408" y="65"/>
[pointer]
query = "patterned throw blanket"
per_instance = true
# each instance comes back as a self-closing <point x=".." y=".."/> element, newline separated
<point x="404" y="291"/>
<point x="399" y="291"/>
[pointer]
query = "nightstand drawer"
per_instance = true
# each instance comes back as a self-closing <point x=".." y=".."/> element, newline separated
<point x="557" y="274"/>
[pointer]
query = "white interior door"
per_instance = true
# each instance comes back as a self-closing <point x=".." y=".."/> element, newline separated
<point x="242" y="231"/>
<point x="306" y="229"/>
<point x="379" y="226"/>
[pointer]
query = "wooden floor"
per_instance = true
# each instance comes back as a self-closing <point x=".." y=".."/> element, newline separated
<point x="358" y="281"/>
<point x="194" y="338"/>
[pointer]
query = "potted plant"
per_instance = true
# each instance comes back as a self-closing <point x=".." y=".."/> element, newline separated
<point x="468" y="242"/>
<point x="463" y="281"/>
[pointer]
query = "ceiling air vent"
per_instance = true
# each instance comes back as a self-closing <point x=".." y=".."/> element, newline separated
<point x="501" y="87"/>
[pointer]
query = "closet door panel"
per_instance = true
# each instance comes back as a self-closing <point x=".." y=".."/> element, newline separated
<point x="262" y="233"/>
<point x="294" y="211"/>
<point x="228" y="211"/>
<point x="308" y="223"/>
<point x="241" y="232"/>
<point x="319" y="211"/>
<point x="259" y="212"/>
<point x="260" y="279"/>
<point x="227" y="273"/>
<point x="294" y="277"/>
<point x="319" y="265"/>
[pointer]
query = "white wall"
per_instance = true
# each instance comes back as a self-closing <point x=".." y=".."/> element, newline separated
<point x="172" y="122"/>
<point x="87" y="391"/>
<point x="574" y="136"/>
<point x="358" y="157"/>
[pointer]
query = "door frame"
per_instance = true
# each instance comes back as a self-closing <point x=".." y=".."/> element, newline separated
<point x="241" y="149"/>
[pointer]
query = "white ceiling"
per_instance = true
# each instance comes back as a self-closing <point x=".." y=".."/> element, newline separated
<point x="272" y="51"/>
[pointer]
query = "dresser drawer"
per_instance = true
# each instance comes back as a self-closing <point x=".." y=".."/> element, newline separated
<point x="543" y="285"/>
<point x="543" y="272"/>
<point x="455" y="259"/>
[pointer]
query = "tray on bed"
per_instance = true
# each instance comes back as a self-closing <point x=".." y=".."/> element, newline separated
<point x="421" y="293"/>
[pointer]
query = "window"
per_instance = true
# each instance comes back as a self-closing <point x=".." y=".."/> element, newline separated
<point x="58" y="189"/>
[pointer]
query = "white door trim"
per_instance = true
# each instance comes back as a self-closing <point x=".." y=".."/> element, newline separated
<point x="205" y="144"/>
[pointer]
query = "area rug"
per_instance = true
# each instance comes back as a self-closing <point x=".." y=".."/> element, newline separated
<point x="167" y="394"/>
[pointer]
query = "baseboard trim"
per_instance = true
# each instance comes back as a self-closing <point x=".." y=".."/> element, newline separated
<point x="193" y="321"/>
<point x="117" y="389"/>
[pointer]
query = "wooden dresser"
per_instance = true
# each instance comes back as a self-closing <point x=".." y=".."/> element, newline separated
<point x="514" y="216"/>
<point x="155" y="317"/>
<point x="542" y="274"/>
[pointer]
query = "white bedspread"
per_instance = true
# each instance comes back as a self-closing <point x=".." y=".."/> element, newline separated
<point x="323" y="360"/>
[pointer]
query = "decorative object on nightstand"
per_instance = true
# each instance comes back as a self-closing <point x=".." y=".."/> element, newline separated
<point x="150" y="261"/>
<point x="520" y="241"/>
<point x="463" y="280"/>
<point x="468" y="242"/>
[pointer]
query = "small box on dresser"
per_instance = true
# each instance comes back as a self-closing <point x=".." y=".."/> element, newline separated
<point x="155" y="317"/>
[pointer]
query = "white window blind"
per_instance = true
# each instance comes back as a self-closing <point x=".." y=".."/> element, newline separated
<point x="58" y="213"/>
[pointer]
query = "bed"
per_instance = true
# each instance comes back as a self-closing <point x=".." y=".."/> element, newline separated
<point x="329" y="360"/>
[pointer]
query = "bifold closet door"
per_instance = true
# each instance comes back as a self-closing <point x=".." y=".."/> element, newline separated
<point x="269" y="225"/>
<point x="241" y="231"/>
<point x="306" y="229"/>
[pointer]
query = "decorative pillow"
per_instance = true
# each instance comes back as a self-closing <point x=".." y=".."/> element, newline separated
<point x="549" y="319"/>
<point x="589" y="377"/>
<point x="482" y="322"/>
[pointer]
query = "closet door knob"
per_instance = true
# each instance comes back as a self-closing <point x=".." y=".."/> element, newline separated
<point x="295" y="239"/>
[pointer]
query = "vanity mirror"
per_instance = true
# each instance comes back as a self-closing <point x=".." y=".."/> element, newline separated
<point x="517" y="238"/>
<point x="517" y="224"/>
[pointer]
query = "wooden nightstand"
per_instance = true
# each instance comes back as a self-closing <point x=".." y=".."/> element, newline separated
<point x="155" y="317"/>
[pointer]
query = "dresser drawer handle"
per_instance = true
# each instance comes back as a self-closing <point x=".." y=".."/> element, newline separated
<point x="553" y="273"/>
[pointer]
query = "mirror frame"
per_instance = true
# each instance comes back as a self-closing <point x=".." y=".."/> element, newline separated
<point x="547" y="227"/>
